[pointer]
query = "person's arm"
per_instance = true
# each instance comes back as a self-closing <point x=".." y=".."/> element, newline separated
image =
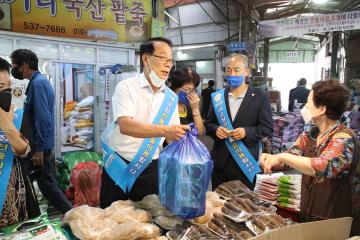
<point x="42" y="116"/>
<point x="299" y="163"/>
<point x="335" y="159"/>
<point x="211" y="122"/>
<point x="199" y="123"/>
<point x="195" y="109"/>
<point x="18" y="144"/>
<point x="136" y="129"/>
<point x="263" y="128"/>
<point x="124" y="113"/>
<point x="213" y="128"/>
<point x="291" y="101"/>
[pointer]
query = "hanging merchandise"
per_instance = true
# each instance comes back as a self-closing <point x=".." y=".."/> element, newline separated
<point x="185" y="169"/>
<point x="86" y="180"/>
<point x="70" y="160"/>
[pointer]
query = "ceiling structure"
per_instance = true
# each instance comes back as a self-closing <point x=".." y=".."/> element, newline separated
<point x="275" y="9"/>
<point x="190" y="20"/>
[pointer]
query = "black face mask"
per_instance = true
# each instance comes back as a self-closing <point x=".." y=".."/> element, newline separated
<point x="16" y="73"/>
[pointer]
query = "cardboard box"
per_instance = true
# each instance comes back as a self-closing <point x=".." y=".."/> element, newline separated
<point x="333" y="229"/>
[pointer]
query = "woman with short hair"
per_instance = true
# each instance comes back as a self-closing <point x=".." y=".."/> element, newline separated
<point x="184" y="83"/>
<point x="325" y="154"/>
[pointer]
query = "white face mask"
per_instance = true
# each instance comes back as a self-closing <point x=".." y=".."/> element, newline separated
<point x="155" y="79"/>
<point x="306" y="114"/>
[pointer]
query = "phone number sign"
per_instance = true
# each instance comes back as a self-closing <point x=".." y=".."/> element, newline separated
<point x="112" y="20"/>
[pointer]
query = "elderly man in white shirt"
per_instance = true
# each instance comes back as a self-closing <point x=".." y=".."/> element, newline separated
<point x="136" y="103"/>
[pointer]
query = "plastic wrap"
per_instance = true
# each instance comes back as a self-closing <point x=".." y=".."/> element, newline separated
<point x="185" y="169"/>
<point x="196" y="232"/>
<point x="161" y="215"/>
<point x="264" y="223"/>
<point x="228" y="229"/>
<point x="213" y="205"/>
<point x="83" y="212"/>
<point x="125" y="211"/>
<point x="120" y="221"/>
<point x="86" y="180"/>
<point x="232" y="189"/>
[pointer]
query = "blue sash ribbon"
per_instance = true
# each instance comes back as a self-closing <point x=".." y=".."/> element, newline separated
<point x="238" y="150"/>
<point x="7" y="157"/>
<point x="124" y="175"/>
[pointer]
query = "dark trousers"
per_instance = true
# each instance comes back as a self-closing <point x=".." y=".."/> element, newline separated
<point x="230" y="172"/>
<point x="48" y="185"/>
<point x="145" y="184"/>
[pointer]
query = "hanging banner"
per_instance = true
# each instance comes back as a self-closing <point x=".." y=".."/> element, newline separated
<point x="313" y="24"/>
<point x="157" y="28"/>
<point x="110" y="20"/>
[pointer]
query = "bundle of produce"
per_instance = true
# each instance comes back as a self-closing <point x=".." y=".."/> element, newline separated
<point x="267" y="187"/>
<point x="290" y="191"/>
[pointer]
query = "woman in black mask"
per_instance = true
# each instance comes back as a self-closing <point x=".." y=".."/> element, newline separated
<point x="18" y="201"/>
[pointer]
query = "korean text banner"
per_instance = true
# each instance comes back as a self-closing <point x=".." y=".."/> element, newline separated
<point x="313" y="24"/>
<point x="112" y="20"/>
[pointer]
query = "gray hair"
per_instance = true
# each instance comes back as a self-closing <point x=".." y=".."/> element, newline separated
<point x="243" y="58"/>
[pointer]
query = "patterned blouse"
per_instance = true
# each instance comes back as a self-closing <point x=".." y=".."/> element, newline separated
<point x="14" y="210"/>
<point x="333" y="157"/>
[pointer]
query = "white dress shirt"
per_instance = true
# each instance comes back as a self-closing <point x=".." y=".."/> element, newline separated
<point x="134" y="97"/>
<point x="235" y="104"/>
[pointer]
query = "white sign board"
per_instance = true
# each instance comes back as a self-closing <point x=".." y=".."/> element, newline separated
<point x="313" y="24"/>
<point x="292" y="54"/>
<point x="18" y="88"/>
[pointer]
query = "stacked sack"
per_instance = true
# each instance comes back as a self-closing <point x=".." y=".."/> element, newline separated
<point x="79" y="124"/>
<point x="290" y="191"/>
<point x="286" y="130"/>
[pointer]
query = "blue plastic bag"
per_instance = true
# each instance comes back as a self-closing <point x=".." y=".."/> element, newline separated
<point x="185" y="169"/>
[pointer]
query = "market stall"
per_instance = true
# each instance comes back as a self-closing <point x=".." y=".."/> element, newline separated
<point x="232" y="212"/>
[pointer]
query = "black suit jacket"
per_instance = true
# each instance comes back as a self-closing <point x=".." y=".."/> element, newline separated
<point x="254" y="115"/>
<point x="206" y="98"/>
<point x="300" y="94"/>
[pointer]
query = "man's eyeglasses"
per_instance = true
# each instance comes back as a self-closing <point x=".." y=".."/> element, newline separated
<point x="164" y="59"/>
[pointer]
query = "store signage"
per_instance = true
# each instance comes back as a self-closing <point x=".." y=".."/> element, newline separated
<point x="313" y="24"/>
<point x="292" y="54"/>
<point x="236" y="46"/>
<point x="110" y="20"/>
<point x="18" y="88"/>
<point x="157" y="28"/>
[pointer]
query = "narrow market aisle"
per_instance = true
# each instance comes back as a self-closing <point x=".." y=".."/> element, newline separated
<point x="286" y="75"/>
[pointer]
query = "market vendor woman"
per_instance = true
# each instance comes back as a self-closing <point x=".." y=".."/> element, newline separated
<point x="18" y="201"/>
<point x="325" y="154"/>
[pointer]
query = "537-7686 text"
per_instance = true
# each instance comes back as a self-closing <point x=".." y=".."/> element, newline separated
<point x="48" y="28"/>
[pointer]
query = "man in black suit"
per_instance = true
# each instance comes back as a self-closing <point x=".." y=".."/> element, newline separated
<point x="298" y="95"/>
<point x="250" y="115"/>
<point x="206" y="98"/>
